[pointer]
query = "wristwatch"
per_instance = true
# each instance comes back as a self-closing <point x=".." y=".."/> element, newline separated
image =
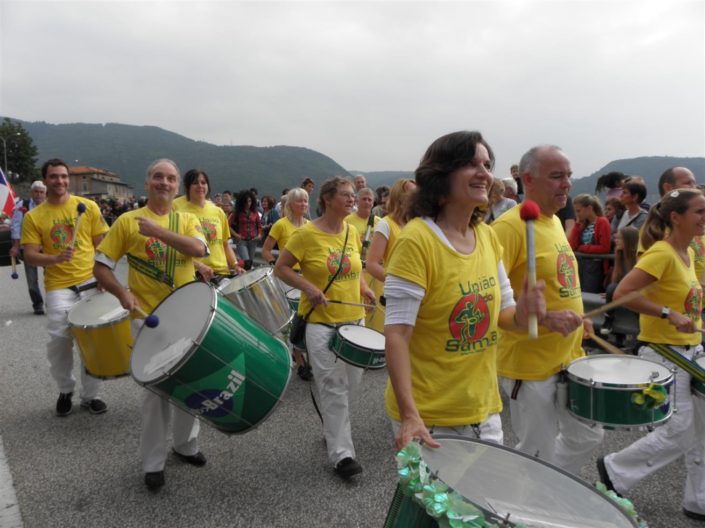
<point x="665" y="312"/>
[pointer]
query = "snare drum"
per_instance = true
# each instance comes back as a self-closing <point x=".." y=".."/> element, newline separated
<point x="475" y="479"/>
<point x="211" y="360"/>
<point x="101" y="328"/>
<point x="610" y="390"/>
<point x="696" y="385"/>
<point x="259" y="295"/>
<point x="359" y="346"/>
<point x="293" y="297"/>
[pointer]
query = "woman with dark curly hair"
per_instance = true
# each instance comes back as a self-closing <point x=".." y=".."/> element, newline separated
<point x="248" y="228"/>
<point x="447" y="293"/>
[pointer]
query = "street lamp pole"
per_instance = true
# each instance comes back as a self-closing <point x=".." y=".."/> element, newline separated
<point x="4" y="153"/>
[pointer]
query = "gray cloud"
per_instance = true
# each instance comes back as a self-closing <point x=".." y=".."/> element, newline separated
<point x="370" y="84"/>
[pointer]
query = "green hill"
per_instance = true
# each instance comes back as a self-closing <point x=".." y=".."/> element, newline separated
<point x="127" y="150"/>
<point x="650" y="168"/>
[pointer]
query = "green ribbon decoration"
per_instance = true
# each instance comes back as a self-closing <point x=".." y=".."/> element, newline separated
<point x="650" y="398"/>
<point x="623" y="503"/>
<point x="447" y="507"/>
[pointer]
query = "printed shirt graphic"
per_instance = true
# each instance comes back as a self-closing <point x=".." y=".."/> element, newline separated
<point x="52" y="227"/>
<point x="677" y="287"/>
<point x="124" y="237"/>
<point x="536" y="359"/>
<point x="453" y="348"/>
<point x="214" y="225"/>
<point x="319" y="255"/>
<point x="281" y="232"/>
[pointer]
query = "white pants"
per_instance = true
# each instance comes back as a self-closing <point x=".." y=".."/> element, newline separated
<point x="545" y="428"/>
<point x="156" y="415"/>
<point x="683" y="434"/>
<point x="490" y="429"/>
<point x="335" y="381"/>
<point x="60" y="345"/>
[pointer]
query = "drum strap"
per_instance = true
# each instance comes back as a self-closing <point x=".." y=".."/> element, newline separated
<point x="337" y="272"/>
<point x="515" y="389"/>
<point x="145" y="268"/>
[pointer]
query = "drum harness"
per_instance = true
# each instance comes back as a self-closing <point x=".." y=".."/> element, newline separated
<point x="165" y="276"/>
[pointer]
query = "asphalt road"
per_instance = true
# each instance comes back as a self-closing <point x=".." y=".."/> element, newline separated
<point x="84" y="470"/>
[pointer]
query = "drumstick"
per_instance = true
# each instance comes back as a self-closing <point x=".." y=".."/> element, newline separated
<point x="529" y="212"/>
<point x="81" y="208"/>
<point x="353" y="304"/>
<point x="614" y="304"/>
<point x="605" y="344"/>
<point x="14" y="268"/>
<point x="150" y="321"/>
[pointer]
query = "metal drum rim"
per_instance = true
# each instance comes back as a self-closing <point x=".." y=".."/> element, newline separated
<point x="196" y="342"/>
<point x="442" y="436"/>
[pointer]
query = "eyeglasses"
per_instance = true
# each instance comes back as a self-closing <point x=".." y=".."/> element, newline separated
<point x="347" y="194"/>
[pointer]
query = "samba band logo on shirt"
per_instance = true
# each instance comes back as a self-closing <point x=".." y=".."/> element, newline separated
<point x="333" y="263"/>
<point x="155" y="250"/>
<point x="566" y="273"/>
<point x="470" y="320"/>
<point x="209" y="230"/>
<point x="692" y="307"/>
<point x="61" y="233"/>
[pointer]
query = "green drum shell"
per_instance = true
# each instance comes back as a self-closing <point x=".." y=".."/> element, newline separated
<point x="697" y="386"/>
<point x="233" y="376"/>
<point x="610" y="405"/>
<point x="404" y="512"/>
<point x="357" y="355"/>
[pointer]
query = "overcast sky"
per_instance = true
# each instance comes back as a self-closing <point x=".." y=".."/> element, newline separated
<point x="370" y="84"/>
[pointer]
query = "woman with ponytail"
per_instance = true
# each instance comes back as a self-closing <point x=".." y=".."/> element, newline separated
<point x="669" y="315"/>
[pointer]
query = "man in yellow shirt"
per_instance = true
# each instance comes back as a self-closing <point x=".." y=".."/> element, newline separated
<point x="53" y="237"/>
<point x="155" y="238"/>
<point x="530" y="369"/>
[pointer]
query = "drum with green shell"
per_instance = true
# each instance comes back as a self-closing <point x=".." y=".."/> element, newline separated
<point x="211" y="360"/>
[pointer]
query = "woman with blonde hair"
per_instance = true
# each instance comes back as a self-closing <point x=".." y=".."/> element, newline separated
<point x="294" y="210"/>
<point x="388" y="228"/>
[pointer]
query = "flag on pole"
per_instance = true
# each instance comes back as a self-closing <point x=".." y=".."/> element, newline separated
<point x="7" y="196"/>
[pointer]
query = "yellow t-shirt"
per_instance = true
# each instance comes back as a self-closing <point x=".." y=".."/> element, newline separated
<point x="521" y="357"/>
<point x="216" y="230"/>
<point x="124" y="238"/>
<point x="677" y="287"/>
<point x="318" y="254"/>
<point x="361" y="224"/>
<point x="179" y="201"/>
<point x="394" y="231"/>
<point x="52" y="227"/>
<point x="453" y="348"/>
<point x="281" y="232"/>
<point x="698" y="245"/>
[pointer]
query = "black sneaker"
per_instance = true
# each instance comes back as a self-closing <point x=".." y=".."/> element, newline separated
<point x="39" y="311"/>
<point x="64" y="405"/>
<point x="154" y="480"/>
<point x="95" y="406"/>
<point x="694" y="515"/>
<point x="604" y="476"/>
<point x="348" y="467"/>
<point x="198" y="460"/>
<point x="305" y="372"/>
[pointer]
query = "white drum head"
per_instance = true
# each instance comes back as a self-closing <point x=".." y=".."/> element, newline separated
<point x="526" y="489"/>
<point x="184" y="318"/>
<point x="294" y="294"/>
<point x="618" y="370"/>
<point x="362" y="337"/>
<point x="97" y="310"/>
